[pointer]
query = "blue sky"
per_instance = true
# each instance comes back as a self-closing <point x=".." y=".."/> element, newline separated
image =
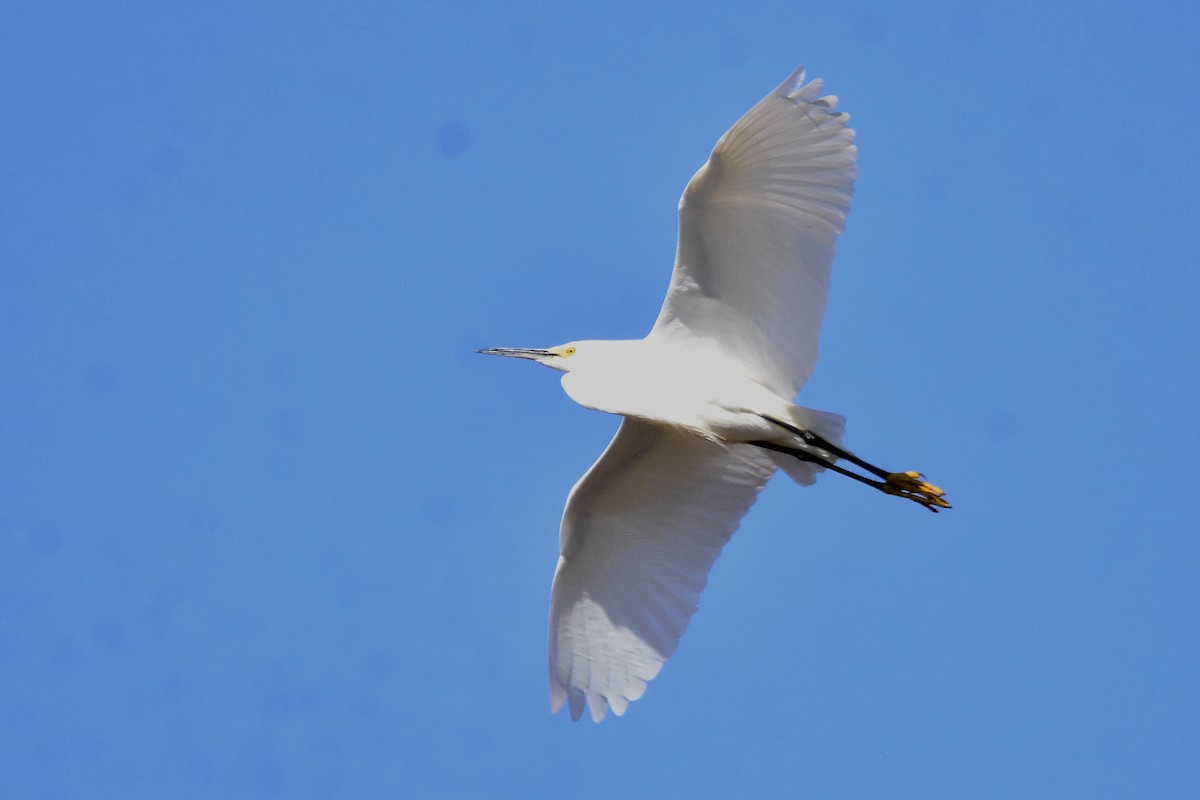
<point x="270" y="528"/>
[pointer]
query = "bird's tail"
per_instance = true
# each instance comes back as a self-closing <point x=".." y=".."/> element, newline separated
<point x="825" y="424"/>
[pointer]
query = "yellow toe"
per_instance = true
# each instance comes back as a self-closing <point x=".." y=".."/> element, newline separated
<point x="914" y="486"/>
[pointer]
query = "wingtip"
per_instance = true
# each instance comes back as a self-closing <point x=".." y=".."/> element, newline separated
<point x="799" y="92"/>
<point x="577" y="701"/>
<point x="794" y="81"/>
<point x="575" y="706"/>
<point x="572" y="698"/>
<point x="808" y="92"/>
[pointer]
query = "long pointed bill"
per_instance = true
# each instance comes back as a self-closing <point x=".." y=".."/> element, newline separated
<point x="515" y="352"/>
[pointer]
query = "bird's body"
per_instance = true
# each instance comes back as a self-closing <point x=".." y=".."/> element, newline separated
<point x="692" y="388"/>
<point x="706" y="398"/>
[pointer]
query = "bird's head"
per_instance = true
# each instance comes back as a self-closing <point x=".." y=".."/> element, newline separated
<point x="559" y="358"/>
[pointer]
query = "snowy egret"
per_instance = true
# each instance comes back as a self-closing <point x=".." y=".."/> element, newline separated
<point x="706" y="398"/>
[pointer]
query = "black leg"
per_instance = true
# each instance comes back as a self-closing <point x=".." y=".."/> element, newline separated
<point x="804" y="455"/>
<point x="910" y="485"/>
<point x="813" y="440"/>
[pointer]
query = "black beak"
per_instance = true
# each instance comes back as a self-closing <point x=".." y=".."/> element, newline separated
<point x="515" y="352"/>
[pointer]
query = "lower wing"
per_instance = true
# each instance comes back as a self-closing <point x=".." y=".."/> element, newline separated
<point x="639" y="534"/>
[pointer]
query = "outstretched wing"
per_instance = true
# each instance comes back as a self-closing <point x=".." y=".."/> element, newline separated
<point x="639" y="534"/>
<point x="757" y="230"/>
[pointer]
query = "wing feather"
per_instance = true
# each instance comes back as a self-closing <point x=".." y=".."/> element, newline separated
<point x="639" y="534"/>
<point x="758" y="225"/>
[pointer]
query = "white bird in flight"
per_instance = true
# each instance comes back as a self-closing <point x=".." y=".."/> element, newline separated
<point x="706" y="398"/>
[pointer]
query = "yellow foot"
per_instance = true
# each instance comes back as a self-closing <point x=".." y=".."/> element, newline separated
<point x="913" y="486"/>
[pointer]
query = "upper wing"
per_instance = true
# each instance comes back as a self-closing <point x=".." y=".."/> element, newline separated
<point x="757" y="229"/>
<point x="639" y="534"/>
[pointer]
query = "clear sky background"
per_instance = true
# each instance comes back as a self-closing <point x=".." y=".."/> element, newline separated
<point x="270" y="528"/>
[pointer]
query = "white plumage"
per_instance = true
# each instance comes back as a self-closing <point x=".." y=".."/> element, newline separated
<point x="757" y="228"/>
<point x="707" y="398"/>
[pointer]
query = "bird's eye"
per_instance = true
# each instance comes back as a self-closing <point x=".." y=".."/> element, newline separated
<point x="570" y="351"/>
